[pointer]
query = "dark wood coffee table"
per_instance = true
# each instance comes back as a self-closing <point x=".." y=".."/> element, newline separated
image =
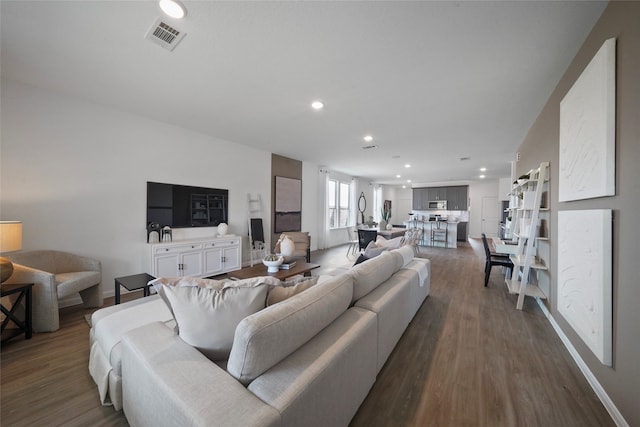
<point x="261" y="270"/>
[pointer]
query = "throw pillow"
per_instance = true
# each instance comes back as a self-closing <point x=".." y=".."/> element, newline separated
<point x="373" y="250"/>
<point x="289" y="289"/>
<point x="207" y="317"/>
<point x="360" y="259"/>
<point x="394" y="243"/>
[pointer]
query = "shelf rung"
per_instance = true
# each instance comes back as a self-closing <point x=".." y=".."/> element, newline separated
<point x="532" y="290"/>
<point x="519" y="260"/>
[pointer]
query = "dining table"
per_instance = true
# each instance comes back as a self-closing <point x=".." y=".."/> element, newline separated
<point x="392" y="233"/>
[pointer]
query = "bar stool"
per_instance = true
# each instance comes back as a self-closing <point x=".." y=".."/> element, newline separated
<point x="439" y="234"/>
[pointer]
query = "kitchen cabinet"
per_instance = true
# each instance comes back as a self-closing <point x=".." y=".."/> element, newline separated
<point x="457" y="198"/>
<point x="420" y="199"/>
<point x="462" y="232"/>
<point x="196" y="258"/>
<point x="436" y="194"/>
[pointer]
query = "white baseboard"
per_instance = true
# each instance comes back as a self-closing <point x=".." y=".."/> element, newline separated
<point x="591" y="379"/>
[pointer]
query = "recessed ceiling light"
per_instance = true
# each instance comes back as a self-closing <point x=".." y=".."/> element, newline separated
<point x="408" y="180"/>
<point x="398" y="176"/>
<point x="404" y="186"/>
<point x="317" y="105"/>
<point x="482" y="176"/>
<point x="407" y="165"/>
<point x="483" y="169"/>
<point x="368" y="138"/>
<point x="173" y="8"/>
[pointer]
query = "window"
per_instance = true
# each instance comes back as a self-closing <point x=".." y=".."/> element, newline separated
<point x="339" y="203"/>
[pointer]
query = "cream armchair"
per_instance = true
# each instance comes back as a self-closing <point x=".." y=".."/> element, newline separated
<point x="56" y="275"/>
<point x="302" y="242"/>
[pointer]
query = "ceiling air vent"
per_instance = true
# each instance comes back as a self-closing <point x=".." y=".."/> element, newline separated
<point x="164" y="35"/>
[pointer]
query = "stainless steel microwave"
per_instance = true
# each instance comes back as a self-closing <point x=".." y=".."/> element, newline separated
<point x="438" y="204"/>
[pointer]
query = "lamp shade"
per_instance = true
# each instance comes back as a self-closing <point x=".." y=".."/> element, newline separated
<point x="10" y="236"/>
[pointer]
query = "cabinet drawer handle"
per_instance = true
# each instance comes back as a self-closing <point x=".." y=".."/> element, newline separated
<point x="213" y="244"/>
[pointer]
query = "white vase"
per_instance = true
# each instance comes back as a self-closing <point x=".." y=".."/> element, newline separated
<point x="382" y="225"/>
<point x="389" y="226"/>
<point x="222" y="229"/>
<point x="287" y="246"/>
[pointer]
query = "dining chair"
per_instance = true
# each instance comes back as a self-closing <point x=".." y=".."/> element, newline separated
<point x="366" y="236"/>
<point x="493" y="259"/>
<point x="413" y="238"/>
<point x="353" y="241"/>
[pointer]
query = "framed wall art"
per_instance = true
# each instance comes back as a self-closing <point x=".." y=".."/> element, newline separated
<point x="585" y="288"/>
<point x="288" y="204"/>
<point x="587" y="130"/>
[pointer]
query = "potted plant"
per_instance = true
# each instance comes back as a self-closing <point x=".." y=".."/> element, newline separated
<point x="272" y="262"/>
<point x="386" y="216"/>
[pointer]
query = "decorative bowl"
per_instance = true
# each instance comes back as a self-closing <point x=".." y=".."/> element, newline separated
<point x="272" y="266"/>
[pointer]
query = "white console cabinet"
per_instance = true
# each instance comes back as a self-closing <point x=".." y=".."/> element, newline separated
<point x="197" y="258"/>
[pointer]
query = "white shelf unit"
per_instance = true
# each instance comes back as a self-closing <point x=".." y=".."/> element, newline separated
<point x="527" y="207"/>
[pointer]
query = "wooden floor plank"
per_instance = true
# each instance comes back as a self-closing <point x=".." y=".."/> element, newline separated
<point x="468" y="358"/>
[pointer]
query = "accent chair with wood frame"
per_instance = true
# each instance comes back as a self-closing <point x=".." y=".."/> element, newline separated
<point x="302" y="243"/>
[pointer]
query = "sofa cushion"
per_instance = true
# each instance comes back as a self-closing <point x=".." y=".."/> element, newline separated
<point x="207" y="317"/>
<point x="70" y="283"/>
<point x="288" y="289"/>
<point x="265" y="338"/>
<point x="324" y="382"/>
<point x="407" y="254"/>
<point x="368" y="275"/>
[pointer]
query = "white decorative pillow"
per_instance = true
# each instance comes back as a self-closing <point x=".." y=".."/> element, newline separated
<point x="373" y="250"/>
<point x="289" y="289"/>
<point x="207" y="317"/>
<point x="394" y="243"/>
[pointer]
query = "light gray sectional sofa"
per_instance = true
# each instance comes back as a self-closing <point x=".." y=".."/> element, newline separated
<point x="307" y="361"/>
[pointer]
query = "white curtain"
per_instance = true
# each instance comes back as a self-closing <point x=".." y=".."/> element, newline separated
<point x="377" y="203"/>
<point x="323" y="204"/>
<point x="353" y="202"/>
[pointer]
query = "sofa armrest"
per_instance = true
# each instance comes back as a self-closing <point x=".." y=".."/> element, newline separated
<point x="45" y="296"/>
<point x="166" y="382"/>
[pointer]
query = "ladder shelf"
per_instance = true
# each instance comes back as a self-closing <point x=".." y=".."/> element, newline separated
<point x="526" y="207"/>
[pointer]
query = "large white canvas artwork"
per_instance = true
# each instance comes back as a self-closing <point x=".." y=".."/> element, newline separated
<point x="585" y="277"/>
<point x="587" y="130"/>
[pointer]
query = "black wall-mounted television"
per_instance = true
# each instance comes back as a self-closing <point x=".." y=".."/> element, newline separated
<point x="180" y="206"/>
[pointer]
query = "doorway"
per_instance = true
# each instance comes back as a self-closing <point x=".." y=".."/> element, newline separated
<point x="490" y="213"/>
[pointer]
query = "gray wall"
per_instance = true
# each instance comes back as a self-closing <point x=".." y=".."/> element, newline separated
<point x="622" y="381"/>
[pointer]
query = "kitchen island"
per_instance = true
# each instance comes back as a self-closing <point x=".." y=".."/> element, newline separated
<point x="438" y="233"/>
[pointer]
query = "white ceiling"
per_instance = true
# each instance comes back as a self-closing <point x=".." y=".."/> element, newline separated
<point x="431" y="81"/>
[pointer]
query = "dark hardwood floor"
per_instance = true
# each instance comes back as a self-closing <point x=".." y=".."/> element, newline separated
<point x="468" y="358"/>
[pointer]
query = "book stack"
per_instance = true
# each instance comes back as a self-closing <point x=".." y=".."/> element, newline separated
<point x="287" y="265"/>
